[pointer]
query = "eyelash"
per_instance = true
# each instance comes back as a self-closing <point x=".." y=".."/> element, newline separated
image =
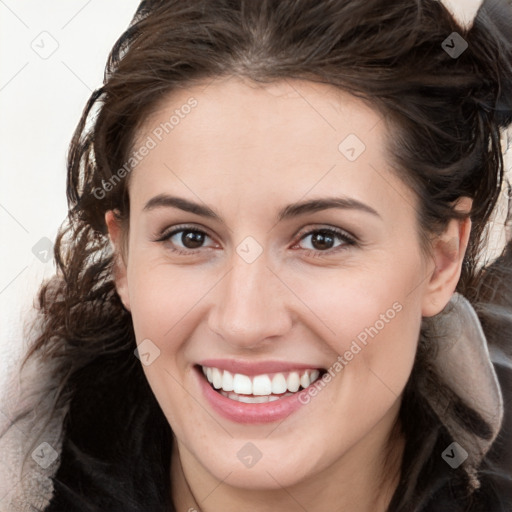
<point x="348" y="240"/>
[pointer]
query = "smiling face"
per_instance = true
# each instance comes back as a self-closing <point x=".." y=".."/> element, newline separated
<point x="225" y="269"/>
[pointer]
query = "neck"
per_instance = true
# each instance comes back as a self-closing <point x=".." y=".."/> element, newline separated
<point x="358" y="482"/>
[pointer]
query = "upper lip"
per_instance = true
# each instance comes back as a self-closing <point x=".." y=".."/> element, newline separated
<point x="251" y="368"/>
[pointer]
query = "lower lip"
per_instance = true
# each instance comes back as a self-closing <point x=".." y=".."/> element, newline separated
<point x="241" y="412"/>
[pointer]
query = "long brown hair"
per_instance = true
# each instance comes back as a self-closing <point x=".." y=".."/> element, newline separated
<point x="445" y="114"/>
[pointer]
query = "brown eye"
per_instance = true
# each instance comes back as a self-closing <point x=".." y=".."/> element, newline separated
<point x="192" y="239"/>
<point x="184" y="240"/>
<point x="323" y="240"/>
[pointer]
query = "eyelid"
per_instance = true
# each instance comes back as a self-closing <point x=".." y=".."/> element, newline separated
<point x="163" y="235"/>
<point x="312" y="228"/>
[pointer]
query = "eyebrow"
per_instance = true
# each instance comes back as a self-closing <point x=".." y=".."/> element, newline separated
<point x="289" y="211"/>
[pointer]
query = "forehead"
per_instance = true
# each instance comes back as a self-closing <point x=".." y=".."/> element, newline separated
<point x="231" y="136"/>
<point x="245" y="110"/>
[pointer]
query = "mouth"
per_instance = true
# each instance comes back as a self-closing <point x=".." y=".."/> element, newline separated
<point x="259" y="389"/>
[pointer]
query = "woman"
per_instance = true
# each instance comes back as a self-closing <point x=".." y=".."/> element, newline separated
<point x="271" y="290"/>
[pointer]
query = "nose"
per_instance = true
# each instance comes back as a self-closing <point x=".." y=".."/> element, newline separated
<point x="250" y="308"/>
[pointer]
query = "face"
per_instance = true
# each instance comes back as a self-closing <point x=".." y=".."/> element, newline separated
<point x="248" y="273"/>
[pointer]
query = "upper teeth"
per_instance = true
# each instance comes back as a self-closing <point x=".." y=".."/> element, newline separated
<point x="276" y="383"/>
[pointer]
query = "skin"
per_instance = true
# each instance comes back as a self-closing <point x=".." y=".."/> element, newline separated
<point x="246" y="151"/>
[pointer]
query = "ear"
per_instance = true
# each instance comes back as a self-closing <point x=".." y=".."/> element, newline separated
<point x="448" y="254"/>
<point x="120" y="271"/>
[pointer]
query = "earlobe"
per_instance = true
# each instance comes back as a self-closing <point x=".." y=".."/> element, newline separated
<point x="120" y="271"/>
<point x="448" y="254"/>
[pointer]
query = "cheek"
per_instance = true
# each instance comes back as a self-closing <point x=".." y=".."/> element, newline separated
<point x="162" y="305"/>
<point x="370" y="318"/>
<point x="161" y="296"/>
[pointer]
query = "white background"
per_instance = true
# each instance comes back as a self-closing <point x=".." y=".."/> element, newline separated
<point x="41" y="99"/>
